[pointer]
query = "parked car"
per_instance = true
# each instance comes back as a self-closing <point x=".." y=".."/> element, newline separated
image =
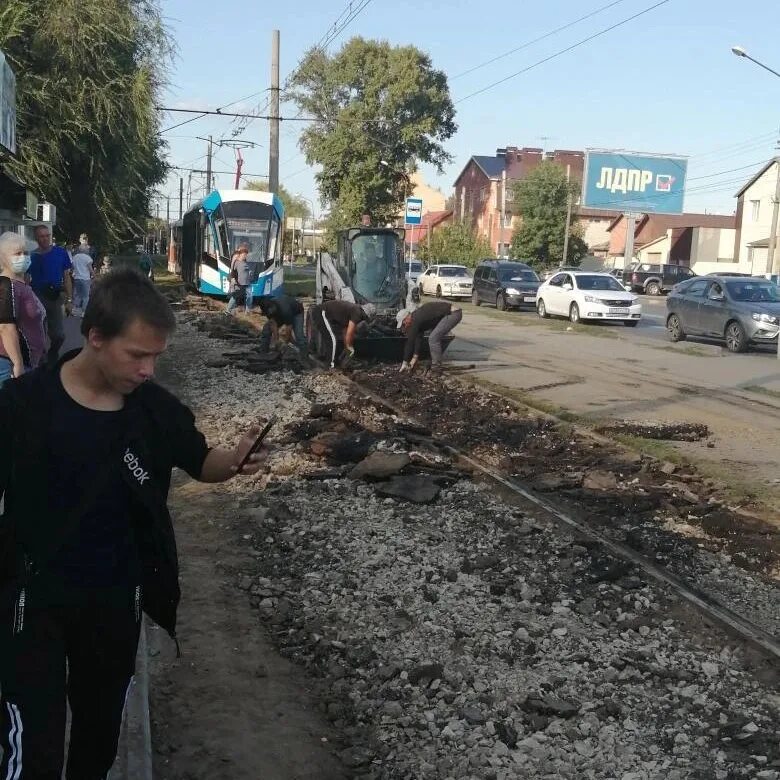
<point x="505" y="283"/>
<point x="446" y="281"/>
<point x="414" y="269"/>
<point x="655" y="279"/>
<point x="580" y="295"/>
<point x="738" y="310"/>
<point x="546" y="275"/>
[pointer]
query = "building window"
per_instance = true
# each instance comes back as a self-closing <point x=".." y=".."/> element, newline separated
<point x="750" y="255"/>
<point x="755" y="210"/>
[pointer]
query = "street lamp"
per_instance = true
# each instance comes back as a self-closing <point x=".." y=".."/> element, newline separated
<point x="738" y="51"/>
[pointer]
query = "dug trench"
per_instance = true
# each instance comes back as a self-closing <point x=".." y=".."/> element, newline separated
<point x="437" y="629"/>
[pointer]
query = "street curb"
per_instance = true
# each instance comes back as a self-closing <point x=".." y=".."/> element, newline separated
<point x="134" y="759"/>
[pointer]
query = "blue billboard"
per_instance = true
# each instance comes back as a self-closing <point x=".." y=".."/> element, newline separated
<point x="634" y="182"/>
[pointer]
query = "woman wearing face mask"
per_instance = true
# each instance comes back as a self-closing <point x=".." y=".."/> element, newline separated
<point x="22" y="316"/>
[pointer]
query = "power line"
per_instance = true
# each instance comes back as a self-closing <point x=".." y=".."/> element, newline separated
<point x="537" y="40"/>
<point x="564" y="51"/>
<point x="227" y="105"/>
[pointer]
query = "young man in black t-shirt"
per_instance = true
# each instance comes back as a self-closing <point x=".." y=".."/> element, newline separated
<point x="439" y="317"/>
<point x="282" y="310"/>
<point x="86" y="542"/>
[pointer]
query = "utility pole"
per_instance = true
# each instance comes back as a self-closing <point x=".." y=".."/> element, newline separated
<point x="208" y="167"/>
<point x="181" y="197"/>
<point x="628" y="255"/>
<point x="568" y="219"/>
<point x="503" y="212"/>
<point x="273" y="160"/>
<point x="773" y="256"/>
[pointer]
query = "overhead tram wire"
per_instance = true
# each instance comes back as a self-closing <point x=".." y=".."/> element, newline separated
<point x="537" y="40"/>
<point x="561" y="52"/>
<point x="227" y="105"/>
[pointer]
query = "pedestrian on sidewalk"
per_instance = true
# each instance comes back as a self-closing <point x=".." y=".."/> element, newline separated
<point x="83" y="274"/>
<point x="282" y="310"/>
<point x="239" y="282"/>
<point x="440" y="317"/>
<point x="340" y="319"/>
<point x="87" y="543"/>
<point x="22" y="316"/>
<point x="50" y="277"/>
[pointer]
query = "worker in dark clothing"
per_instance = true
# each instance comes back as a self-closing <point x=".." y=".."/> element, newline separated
<point x="440" y="317"/>
<point x="282" y="310"/>
<point x="336" y="317"/>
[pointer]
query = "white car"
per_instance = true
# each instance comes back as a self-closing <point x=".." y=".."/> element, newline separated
<point x="414" y="269"/>
<point x="582" y="296"/>
<point x="446" y="281"/>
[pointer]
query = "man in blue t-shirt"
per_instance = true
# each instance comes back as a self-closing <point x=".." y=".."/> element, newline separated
<point x="50" y="275"/>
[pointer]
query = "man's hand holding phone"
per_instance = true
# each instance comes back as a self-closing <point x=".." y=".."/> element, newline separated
<point x="249" y="457"/>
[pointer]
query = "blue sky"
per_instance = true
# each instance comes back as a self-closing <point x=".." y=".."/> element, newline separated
<point x="666" y="82"/>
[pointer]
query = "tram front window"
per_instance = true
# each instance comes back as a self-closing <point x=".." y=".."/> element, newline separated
<point x="376" y="272"/>
<point x="252" y="233"/>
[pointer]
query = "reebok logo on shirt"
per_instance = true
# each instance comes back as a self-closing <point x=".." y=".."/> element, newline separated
<point x="135" y="468"/>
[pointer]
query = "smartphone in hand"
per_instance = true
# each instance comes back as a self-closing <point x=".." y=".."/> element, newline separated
<point x="258" y="442"/>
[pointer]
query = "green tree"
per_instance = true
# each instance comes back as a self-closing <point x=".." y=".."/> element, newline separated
<point x="88" y="76"/>
<point x="294" y="206"/>
<point x="541" y="200"/>
<point x="456" y="243"/>
<point x="372" y="102"/>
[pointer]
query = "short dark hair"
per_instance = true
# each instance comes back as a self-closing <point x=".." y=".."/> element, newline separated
<point x="119" y="298"/>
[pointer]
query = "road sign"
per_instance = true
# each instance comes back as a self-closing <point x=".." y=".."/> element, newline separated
<point x="7" y="106"/>
<point x="413" y="211"/>
<point x="626" y="181"/>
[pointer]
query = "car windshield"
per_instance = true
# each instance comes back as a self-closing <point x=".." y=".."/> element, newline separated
<point x="518" y="276"/>
<point x="453" y="270"/>
<point x="756" y="292"/>
<point x="595" y="282"/>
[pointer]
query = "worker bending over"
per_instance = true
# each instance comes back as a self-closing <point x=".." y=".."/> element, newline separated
<point x="440" y="317"/>
<point x="336" y="317"/>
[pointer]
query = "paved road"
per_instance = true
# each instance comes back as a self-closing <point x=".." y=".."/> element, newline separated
<point x="612" y="372"/>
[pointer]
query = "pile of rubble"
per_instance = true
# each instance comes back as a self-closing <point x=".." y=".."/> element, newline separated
<point x="456" y="635"/>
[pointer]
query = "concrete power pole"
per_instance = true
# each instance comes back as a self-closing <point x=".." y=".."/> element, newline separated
<point x="208" y="168"/>
<point x="568" y="220"/>
<point x="273" y="161"/>
<point x="181" y="197"/>
<point x="773" y="256"/>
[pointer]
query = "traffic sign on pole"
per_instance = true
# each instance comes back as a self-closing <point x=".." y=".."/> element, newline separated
<point x="413" y="211"/>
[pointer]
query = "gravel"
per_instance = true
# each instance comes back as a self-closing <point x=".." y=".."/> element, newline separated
<point x="466" y="637"/>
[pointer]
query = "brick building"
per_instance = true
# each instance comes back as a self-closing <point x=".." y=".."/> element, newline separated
<point x="483" y="193"/>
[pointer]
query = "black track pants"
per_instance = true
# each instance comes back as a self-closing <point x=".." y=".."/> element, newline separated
<point x="97" y="645"/>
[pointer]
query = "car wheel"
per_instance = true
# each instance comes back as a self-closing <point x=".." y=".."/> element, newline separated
<point x="475" y="298"/>
<point x="438" y="291"/>
<point x="631" y="323"/>
<point x="736" y="340"/>
<point x="501" y="302"/>
<point x="541" y="309"/>
<point x="653" y="288"/>
<point x="574" y="313"/>
<point x="675" y="328"/>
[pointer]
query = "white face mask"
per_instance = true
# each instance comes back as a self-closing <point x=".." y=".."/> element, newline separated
<point x="20" y="263"/>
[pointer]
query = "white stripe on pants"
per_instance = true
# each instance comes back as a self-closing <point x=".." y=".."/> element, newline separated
<point x="15" y="742"/>
<point x="332" y="338"/>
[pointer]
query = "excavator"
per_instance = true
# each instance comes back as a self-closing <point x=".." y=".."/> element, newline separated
<point x="368" y="267"/>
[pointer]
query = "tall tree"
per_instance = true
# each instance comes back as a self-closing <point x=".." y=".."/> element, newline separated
<point x="294" y="206"/>
<point x="372" y="102"/>
<point x="456" y="243"/>
<point x="542" y="200"/>
<point x="88" y="75"/>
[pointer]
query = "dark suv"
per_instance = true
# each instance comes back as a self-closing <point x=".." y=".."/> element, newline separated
<point x="655" y="279"/>
<point x="506" y="284"/>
